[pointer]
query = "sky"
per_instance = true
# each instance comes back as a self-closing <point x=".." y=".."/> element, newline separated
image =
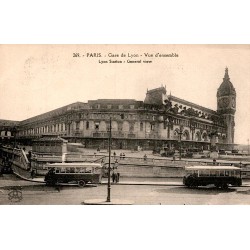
<point x="38" y="78"/>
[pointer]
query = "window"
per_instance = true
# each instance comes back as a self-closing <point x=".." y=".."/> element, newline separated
<point x="132" y="106"/>
<point x="141" y="126"/>
<point x="82" y="170"/>
<point x="87" y="124"/>
<point x="120" y="106"/>
<point x="152" y="127"/>
<point x="89" y="170"/>
<point x="222" y="173"/>
<point x="77" y="125"/>
<point x="109" y="106"/>
<point x="212" y="173"/>
<point x="98" y="106"/>
<point x="97" y="125"/>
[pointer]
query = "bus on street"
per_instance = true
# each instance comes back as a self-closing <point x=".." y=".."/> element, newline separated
<point x="220" y="176"/>
<point x="80" y="173"/>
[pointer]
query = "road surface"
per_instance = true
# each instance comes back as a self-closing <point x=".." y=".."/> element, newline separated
<point x="36" y="194"/>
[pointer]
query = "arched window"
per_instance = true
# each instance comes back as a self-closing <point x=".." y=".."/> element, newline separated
<point x="115" y="126"/>
<point x="185" y="135"/>
<point x="87" y="124"/>
<point x="125" y="126"/>
<point x="197" y="136"/>
<point x="204" y="137"/>
<point x="102" y="126"/>
<point x="176" y="134"/>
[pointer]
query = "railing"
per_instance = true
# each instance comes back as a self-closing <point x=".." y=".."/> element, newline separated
<point x="16" y="156"/>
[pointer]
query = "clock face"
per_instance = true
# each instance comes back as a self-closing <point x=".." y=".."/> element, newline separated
<point x="223" y="102"/>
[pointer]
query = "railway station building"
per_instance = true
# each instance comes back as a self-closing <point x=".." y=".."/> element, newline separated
<point x="160" y="120"/>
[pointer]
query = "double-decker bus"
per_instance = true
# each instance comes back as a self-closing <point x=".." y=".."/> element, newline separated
<point x="80" y="173"/>
<point x="220" y="176"/>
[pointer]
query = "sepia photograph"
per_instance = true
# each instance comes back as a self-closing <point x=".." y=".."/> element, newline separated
<point x="141" y="106"/>
<point x="124" y="124"/>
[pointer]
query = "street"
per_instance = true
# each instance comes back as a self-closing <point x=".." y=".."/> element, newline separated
<point x="30" y="193"/>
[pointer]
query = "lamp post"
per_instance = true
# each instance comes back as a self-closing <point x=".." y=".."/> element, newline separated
<point x="108" y="200"/>
<point x="180" y="134"/>
<point x="109" y="187"/>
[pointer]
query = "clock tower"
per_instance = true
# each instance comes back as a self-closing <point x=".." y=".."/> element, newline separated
<point x="226" y="105"/>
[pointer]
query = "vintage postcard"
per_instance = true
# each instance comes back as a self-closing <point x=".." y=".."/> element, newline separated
<point x="124" y="124"/>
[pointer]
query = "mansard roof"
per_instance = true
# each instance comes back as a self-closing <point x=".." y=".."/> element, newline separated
<point x="55" y="112"/>
<point x="113" y="101"/>
<point x="8" y="122"/>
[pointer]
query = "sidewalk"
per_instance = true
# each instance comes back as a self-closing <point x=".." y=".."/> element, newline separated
<point x="38" y="180"/>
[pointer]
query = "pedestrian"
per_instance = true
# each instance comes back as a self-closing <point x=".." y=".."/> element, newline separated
<point x="118" y="177"/>
<point x="123" y="156"/>
<point x="173" y="158"/>
<point x="113" y="177"/>
<point x="114" y="154"/>
<point x="214" y="161"/>
<point x="120" y="156"/>
<point x="145" y="157"/>
<point x="98" y="150"/>
<point x="32" y="174"/>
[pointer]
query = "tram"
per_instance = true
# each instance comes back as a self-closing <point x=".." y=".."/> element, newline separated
<point x="80" y="173"/>
<point x="220" y="176"/>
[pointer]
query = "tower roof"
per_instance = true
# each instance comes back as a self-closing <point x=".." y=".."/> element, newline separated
<point x="226" y="87"/>
<point x="156" y="96"/>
